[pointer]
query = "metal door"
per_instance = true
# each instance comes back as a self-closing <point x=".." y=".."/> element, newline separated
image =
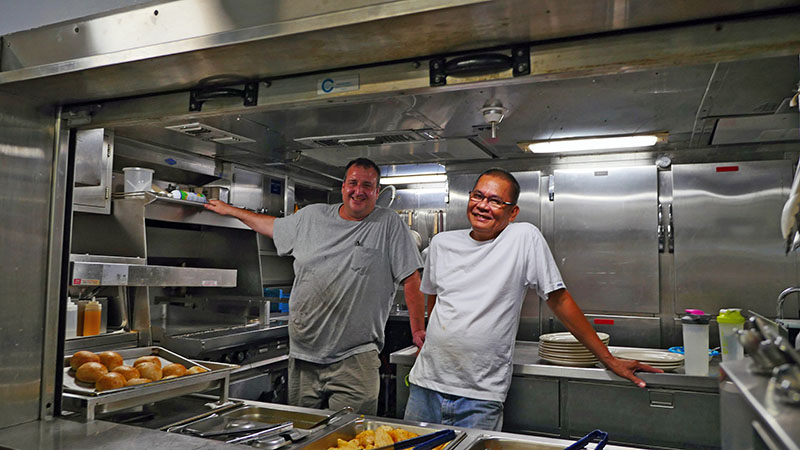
<point x="459" y="185"/>
<point x="728" y="246"/>
<point x="605" y="239"/>
<point x="31" y="233"/>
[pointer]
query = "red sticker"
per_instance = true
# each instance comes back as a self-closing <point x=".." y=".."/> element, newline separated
<point x="728" y="169"/>
<point x="604" y="321"/>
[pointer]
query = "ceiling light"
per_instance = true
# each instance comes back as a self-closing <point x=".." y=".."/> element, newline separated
<point x="599" y="143"/>
<point x="414" y="179"/>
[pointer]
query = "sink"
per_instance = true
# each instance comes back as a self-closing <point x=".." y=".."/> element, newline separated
<point x="351" y="429"/>
<point x="300" y="420"/>
<point x="491" y="443"/>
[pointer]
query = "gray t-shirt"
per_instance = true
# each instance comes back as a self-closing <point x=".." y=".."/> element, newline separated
<point x="480" y="287"/>
<point x="346" y="276"/>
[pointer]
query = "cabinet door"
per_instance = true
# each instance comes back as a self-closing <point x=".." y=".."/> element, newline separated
<point x="94" y="153"/>
<point x="728" y="246"/>
<point x="532" y="406"/>
<point x="605" y="237"/>
<point x="649" y="417"/>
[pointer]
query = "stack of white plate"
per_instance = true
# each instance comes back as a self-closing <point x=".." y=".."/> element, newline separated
<point x="660" y="359"/>
<point x="564" y="350"/>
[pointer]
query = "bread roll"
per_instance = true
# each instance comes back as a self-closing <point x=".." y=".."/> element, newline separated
<point x="82" y="357"/>
<point x="90" y="372"/>
<point x="150" y="359"/>
<point x="176" y="369"/>
<point x="111" y="380"/>
<point x="110" y="359"/>
<point x="195" y="369"/>
<point x="149" y="370"/>
<point x="137" y="381"/>
<point x="127" y="371"/>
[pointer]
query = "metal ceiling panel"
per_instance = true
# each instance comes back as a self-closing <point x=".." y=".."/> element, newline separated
<point x="97" y="58"/>
<point x="432" y="151"/>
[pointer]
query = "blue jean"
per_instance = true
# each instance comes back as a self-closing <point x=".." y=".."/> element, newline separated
<point x="425" y="405"/>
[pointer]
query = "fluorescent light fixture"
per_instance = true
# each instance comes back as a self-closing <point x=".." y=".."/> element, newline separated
<point x="414" y="179"/>
<point x="599" y="143"/>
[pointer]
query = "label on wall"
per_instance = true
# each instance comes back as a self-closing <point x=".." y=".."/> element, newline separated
<point x="330" y="85"/>
<point x="275" y="187"/>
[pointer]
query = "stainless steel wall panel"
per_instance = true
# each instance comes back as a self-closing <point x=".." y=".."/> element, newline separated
<point x="247" y="189"/>
<point x="27" y="165"/>
<point x="728" y="247"/>
<point x="605" y="237"/>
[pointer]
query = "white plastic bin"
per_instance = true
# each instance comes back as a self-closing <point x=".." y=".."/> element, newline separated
<point x="138" y="179"/>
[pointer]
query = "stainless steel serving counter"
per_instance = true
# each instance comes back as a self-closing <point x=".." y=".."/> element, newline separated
<point x="65" y="433"/>
<point x="527" y="362"/>
<point x="568" y="402"/>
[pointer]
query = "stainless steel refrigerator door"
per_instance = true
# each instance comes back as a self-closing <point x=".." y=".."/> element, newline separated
<point x="605" y="239"/>
<point x="728" y="247"/>
<point x="459" y="185"/>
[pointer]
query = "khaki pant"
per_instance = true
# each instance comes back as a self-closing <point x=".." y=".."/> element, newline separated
<point x="353" y="382"/>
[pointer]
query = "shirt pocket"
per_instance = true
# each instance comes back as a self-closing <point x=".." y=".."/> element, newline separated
<point x="365" y="260"/>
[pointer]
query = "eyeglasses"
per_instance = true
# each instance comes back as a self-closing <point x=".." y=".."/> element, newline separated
<point x="494" y="202"/>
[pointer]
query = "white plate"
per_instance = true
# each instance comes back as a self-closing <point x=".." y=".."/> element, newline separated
<point x="567" y="337"/>
<point x="573" y="354"/>
<point x="567" y="357"/>
<point x="563" y="362"/>
<point x="645" y="356"/>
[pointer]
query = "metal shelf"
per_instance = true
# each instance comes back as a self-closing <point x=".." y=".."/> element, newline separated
<point x="115" y="274"/>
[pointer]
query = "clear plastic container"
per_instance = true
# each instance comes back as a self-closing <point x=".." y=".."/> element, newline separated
<point x="695" y="343"/>
<point x="730" y="320"/>
<point x="72" y="320"/>
<point x="138" y="179"/>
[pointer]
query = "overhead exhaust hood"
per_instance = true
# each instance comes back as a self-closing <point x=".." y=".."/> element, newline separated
<point x="209" y="133"/>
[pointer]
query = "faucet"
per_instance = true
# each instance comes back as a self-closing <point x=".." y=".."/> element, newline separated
<point x="782" y="298"/>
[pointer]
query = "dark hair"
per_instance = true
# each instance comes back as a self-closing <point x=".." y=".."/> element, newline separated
<point x="366" y="164"/>
<point x="504" y="174"/>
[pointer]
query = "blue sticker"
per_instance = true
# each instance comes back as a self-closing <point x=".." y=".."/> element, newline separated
<point x="327" y="85"/>
<point x="170" y="161"/>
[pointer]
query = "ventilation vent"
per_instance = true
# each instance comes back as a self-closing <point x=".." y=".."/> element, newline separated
<point x="208" y="133"/>
<point x="366" y="139"/>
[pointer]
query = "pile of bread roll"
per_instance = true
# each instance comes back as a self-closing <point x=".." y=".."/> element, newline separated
<point x="107" y="370"/>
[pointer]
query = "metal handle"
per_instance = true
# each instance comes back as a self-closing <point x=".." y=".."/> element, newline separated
<point x="277" y="429"/>
<point x="670" y="231"/>
<point x="660" y="230"/>
<point x="581" y="443"/>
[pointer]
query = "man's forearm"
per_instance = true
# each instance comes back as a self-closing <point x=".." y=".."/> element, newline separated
<point x="564" y="307"/>
<point x="260" y="223"/>
<point x="415" y="301"/>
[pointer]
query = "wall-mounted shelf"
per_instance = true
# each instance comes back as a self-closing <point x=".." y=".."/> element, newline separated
<point x="116" y="274"/>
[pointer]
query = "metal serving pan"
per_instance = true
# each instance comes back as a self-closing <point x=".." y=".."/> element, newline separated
<point x="78" y="396"/>
<point x="351" y="429"/>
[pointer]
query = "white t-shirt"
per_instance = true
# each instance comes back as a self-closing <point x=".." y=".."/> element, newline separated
<point x="480" y="287"/>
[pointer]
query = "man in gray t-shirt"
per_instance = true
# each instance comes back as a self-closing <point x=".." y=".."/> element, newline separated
<point x="349" y="260"/>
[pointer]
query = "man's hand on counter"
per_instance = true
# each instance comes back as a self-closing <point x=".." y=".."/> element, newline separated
<point x="626" y="368"/>
<point x="418" y="337"/>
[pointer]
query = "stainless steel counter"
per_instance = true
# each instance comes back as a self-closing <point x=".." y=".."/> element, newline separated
<point x="775" y="424"/>
<point x="527" y="362"/>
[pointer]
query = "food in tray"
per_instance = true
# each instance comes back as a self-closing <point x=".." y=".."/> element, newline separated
<point x="149" y="370"/>
<point x="174" y="370"/>
<point x="196" y="369"/>
<point x="107" y="370"/>
<point x="127" y="371"/>
<point x="382" y="436"/>
<point x="138" y="381"/>
<point x="90" y="372"/>
<point x="82" y="357"/>
<point x="147" y="359"/>
<point x="110" y="359"/>
<point x="109" y="381"/>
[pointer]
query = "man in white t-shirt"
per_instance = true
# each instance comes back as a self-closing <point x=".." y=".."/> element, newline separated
<point x="479" y="278"/>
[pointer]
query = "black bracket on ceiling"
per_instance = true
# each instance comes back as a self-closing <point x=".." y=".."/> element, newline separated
<point x="481" y="64"/>
<point x="248" y="93"/>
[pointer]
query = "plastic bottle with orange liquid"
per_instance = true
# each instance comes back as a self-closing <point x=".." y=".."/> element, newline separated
<point x="92" y="315"/>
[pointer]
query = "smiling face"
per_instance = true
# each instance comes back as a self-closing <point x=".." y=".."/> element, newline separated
<point x="359" y="193"/>
<point x="487" y="221"/>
